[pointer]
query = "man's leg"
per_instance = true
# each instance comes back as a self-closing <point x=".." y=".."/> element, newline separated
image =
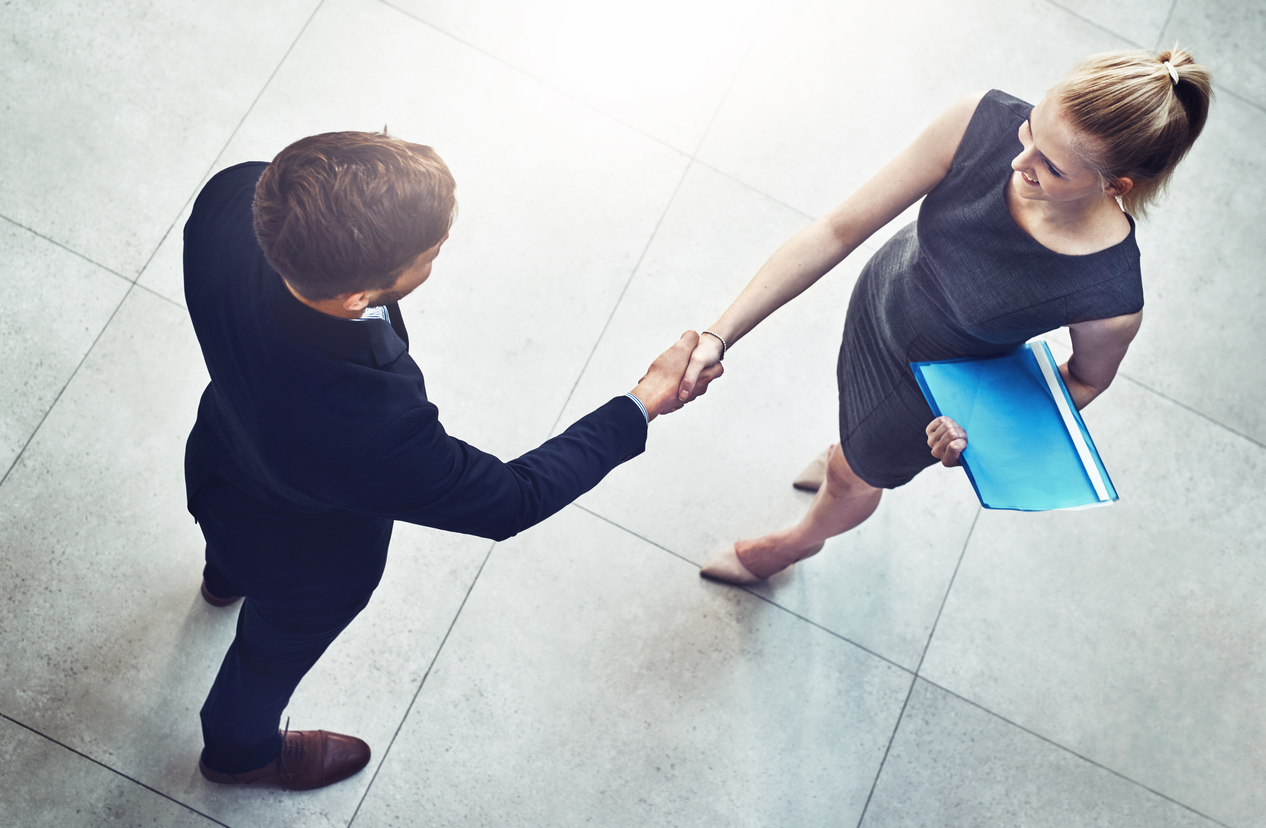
<point x="216" y="588"/>
<point x="273" y="650"/>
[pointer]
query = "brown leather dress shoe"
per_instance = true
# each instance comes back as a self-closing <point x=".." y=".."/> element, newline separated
<point x="308" y="759"/>
<point x="216" y="600"/>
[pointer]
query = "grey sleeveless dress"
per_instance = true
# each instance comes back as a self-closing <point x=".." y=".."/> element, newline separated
<point x="964" y="280"/>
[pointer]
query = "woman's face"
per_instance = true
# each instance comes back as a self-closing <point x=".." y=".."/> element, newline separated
<point x="1049" y="168"/>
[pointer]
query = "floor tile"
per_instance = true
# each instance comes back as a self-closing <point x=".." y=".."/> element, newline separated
<point x="954" y="765"/>
<point x="592" y="679"/>
<point x="114" y="110"/>
<point x="556" y="203"/>
<point x="721" y="469"/>
<point x="1226" y="35"/>
<point x="661" y="66"/>
<point x="1138" y="21"/>
<point x="109" y="648"/>
<point x="792" y="125"/>
<point x="48" y="786"/>
<point x="1202" y="253"/>
<point x="1129" y="633"/>
<point x="56" y="304"/>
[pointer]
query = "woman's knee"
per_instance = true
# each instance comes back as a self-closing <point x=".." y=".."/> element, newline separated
<point x="840" y="477"/>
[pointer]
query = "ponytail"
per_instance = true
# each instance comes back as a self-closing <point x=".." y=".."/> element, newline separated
<point x="1142" y="112"/>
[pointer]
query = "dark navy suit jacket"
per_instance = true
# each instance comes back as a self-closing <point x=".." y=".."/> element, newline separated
<point x="316" y="433"/>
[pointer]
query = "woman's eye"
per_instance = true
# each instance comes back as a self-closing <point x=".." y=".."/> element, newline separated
<point x="1054" y="171"/>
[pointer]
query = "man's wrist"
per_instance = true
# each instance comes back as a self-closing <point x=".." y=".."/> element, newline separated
<point x="640" y="406"/>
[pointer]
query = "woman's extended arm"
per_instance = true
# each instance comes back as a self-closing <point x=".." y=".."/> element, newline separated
<point x="809" y="254"/>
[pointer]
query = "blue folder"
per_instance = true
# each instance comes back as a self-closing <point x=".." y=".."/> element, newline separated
<point x="1027" y="447"/>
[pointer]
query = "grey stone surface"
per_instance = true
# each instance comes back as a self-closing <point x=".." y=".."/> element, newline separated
<point x="44" y="785"/>
<point x="660" y="66"/>
<point x="953" y="765"/>
<point x="831" y="91"/>
<point x="1227" y="35"/>
<point x="1138" y="21"/>
<point x="593" y="679"/>
<point x="1129" y="633"/>
<point x="114" y="110"/>
<point x="46" y="287"/>
<point x="1202" y="328"/>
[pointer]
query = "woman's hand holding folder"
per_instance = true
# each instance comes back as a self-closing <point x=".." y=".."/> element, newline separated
<point x="947" y="439"/>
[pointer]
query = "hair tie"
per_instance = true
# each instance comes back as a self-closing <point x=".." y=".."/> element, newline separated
<point x="1173" y="73"/>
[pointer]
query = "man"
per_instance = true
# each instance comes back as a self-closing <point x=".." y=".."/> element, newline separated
<point x="315" y="432"/>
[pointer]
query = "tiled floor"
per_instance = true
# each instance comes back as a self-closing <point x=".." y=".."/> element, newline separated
<point x="623" y="169"/>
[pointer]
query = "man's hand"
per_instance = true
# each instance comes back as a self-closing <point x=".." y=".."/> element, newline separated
<point x="947" y="439"/>
<point x="658" y="388"/>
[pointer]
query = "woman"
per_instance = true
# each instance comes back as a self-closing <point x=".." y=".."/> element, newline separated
<point x="1026" y="227"/>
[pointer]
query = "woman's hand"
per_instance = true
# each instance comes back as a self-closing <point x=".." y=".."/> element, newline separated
<point x="705" y="366"/>
<point x="947" y="439"/>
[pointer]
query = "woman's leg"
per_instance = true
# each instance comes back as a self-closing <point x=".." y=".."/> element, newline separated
<point x="843" y="501"/>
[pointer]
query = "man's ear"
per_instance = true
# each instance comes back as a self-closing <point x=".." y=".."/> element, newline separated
<point x="354" y="302"/>
<point x="1119" y="187"/>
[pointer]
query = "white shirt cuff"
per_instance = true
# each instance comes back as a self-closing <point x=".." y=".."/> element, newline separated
<point x="640" y="407"/>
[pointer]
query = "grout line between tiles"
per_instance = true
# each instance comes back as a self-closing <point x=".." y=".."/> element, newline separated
<point x="945" y="598"/>
<point x="531" y="77"/>
<point x="158" y="295"/>
<point x="408" y="710"/>
<point x="113" y="770"/>
<point x="615" y="307"/>
<point x="738" y="70"/>
<point x="761" y="193"/>
<point x="1195" y="411"/>
<point x="901" y="716"/>
<point x="215" y="161"/>
<point x="757" y="595"/>
<point x="1160" y="36"/>
<point x="1219" y="89"/>
<point x="65" y="385"/>
<point x="1071" y="752"/>
<point x="1098" y="26"/>
<point x="69" y="250"/>
<point x="1160" y="39"/>
<point x="255" y="102"/>
<point x="887" y="749"/>
<point x="915" y="675"/>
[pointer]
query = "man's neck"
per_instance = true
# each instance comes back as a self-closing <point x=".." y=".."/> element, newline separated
<point x="329" y="307"/>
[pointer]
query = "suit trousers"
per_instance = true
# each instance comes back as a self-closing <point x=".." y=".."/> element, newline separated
<point x="300" y="596"/>
<point x="274" y="649"/>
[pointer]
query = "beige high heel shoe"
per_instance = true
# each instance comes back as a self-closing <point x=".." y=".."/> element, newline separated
<point x="814" y="474"/>
<point x="726" y="566"/>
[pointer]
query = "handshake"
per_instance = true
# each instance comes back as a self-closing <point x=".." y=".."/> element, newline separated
<point x="680" y="374"/>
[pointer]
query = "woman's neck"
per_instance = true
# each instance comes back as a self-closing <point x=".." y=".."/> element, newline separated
<point x="1079" y="227"/>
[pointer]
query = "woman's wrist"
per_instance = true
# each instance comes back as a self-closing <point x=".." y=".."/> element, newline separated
<point x="719" y="338"/>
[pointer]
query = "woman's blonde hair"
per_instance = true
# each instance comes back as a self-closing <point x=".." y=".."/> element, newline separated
<point x="1141" y="119"/>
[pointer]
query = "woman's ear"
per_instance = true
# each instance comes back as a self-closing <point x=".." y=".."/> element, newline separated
<point x="1118" y="187"/>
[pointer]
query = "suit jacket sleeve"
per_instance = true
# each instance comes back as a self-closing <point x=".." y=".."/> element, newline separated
<point x="414" y="471"/>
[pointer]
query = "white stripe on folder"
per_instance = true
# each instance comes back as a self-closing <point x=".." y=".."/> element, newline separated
<point x="1047" y="365"/>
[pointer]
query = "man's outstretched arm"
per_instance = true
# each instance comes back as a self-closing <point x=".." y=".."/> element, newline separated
<point x="414" y="471"/>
